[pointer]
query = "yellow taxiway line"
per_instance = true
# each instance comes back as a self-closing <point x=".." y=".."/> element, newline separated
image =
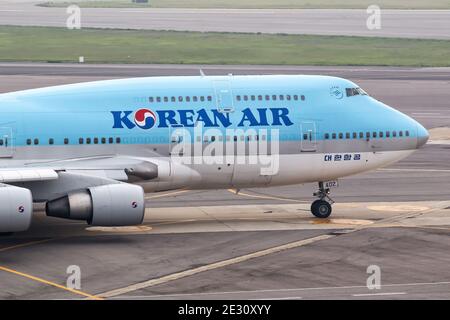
<point x="53" y="284"/>
<point x="264" y="197"/>
<point x="24" y="245"/>
<point x="167" y="194"/>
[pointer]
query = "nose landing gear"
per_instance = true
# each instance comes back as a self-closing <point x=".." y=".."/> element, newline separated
<point x="321" y="208"/>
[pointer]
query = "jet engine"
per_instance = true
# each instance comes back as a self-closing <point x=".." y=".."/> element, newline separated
<point x="16" y="209"/>
<point x="108" y="205"/>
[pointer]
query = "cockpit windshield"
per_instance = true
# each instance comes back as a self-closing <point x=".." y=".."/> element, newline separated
<point x="355" y="92"/>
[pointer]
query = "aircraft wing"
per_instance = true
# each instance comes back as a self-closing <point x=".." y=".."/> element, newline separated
<point x="91" y="189"/>
<point x="27" y="174"/>
<point x="110" y="167"/>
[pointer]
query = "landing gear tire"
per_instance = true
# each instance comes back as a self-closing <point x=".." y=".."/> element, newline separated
<point x="321" y="209"/>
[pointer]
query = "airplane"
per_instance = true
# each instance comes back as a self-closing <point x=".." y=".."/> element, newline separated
<point x="91" y="150"/>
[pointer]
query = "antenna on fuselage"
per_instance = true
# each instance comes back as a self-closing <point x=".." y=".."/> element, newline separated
<point x="202" y="73"/>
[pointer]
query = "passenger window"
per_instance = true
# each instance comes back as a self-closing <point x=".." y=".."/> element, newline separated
<point x="180" y="98"/>
<point x="388" y="134"/>
<point x="195" y="98"/>
<point x="274" y="97"/>
<point x="166" y="99"/>
<point x="245" y="98"/>
<point x="235" y="138"/>
<point x="202" y="98"/>
<point x="361" y="135"/>
<point x="117" y="140"/>
<point x="305" y="136"/>
<point x="88" y="140"/>
<point x="267" y="97"/>
<point x="407" y="133"/>
<point x="111" y="140"/>
<point x="281" y="97"/>
<point x="151" y="99"/>
<point x="51" y="141"/>
<point x="368" y="135"/>
<point x="238" y="98"/>
<point x="66" y="141"/>
<point x="81" y="141"/>
<point x="1" y="142"/>
<point x="213" y="138"/>
<point x="158" y="99"/>
<point x="341" y="136"/>
<point x="400" y="133"/>
<point x="103" y="140"/>
<point x="394" y="134"/>
<point x="96" y="140"/>
<point x="381" y="134"/>
<point x="28" y="141"/>
<point x="36" y="141"/>
<point x="260" y="98"/>
<point x="355" y="135"/>
<point x="327" y="136"/>
<point x="173" y="99"/>
<point x="295" y="97"/>
<point x="209" y="98"/>
<point x="303" y="98"/>
<point x="374" y="134"/>
<point x="347" y="135"/>
<point x="188" y="99"/>
<point x="253" y="98"/>
<point x="288" y="97"/>
<point x="333" y="135"/>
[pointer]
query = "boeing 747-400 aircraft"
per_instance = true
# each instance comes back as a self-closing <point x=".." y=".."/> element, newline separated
<point x="91" y="150"/>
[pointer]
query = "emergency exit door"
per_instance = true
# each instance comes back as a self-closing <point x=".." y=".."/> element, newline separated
<point x="6" y="142"/>
<point x="223" y="95"/>
<point x="308" y="136"/>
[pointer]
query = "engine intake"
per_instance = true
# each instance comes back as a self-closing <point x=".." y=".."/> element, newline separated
<point x="109" y="205"/>
<point x="16" y="209"/>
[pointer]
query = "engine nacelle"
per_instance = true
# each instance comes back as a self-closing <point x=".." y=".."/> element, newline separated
<point x="16" y="209"/>
<point x="109" y="205"/>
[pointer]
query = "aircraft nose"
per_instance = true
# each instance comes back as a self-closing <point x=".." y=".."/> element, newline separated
<point x="422" y="135"/>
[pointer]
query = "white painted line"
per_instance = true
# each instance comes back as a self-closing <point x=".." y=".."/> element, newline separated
<point x="425" y="113"/>
<point x="212" y="266"/>
<point x="378" y="294"/>
<point x="181" y="295"/>
<point x="415" y="169"/>
<point x="283" y="298"/>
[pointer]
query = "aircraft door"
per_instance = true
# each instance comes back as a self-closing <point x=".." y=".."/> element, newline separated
<point x="308" y="136"/>
<point x="6" y="142"/>
<point x="223" y="95"/>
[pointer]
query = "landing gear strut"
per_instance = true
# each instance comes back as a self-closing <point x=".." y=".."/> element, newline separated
<point x="321" y="208"/>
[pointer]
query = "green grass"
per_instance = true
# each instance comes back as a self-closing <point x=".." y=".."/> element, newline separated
<point x="131" y="46"/>
<point x="268" y="4"/>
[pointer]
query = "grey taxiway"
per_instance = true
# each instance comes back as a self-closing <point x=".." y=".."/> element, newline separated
<point x="430" y="24"/>
<point x="260" y="243"/>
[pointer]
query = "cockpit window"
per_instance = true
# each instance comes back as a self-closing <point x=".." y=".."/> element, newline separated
<point x="355" y="92"/>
